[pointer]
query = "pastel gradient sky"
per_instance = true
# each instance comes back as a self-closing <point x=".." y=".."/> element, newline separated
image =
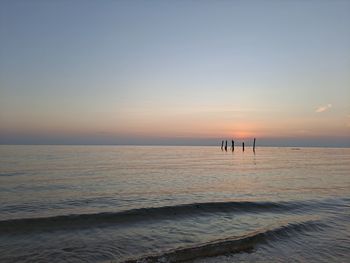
<point x="175" y="72"/>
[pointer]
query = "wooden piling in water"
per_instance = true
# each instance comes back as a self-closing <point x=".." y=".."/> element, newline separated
<point x="243" y="146"/>
<point x="254" y="145"/>
<point x="226" y="146"/>
<point x="233" y="146"/>
<point x="222" y="145"/>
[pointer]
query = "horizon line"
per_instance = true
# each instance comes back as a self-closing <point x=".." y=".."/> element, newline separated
<point x="174" y="145"/>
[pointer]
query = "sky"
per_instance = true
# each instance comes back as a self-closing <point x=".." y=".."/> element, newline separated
<point x="175" y="72"/>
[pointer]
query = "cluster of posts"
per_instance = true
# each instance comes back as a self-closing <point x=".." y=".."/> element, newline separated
<point x="233" y="146"/>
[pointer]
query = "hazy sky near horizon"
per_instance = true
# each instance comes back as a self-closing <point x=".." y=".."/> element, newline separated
<point x="173" y="71"/>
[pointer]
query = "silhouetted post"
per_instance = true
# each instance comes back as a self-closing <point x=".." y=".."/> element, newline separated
<point x="222" y="145"/>
<point x="233" y="145"/>
<point x="254" y="146"/>
<point x="226" y="146"/>
<point x="243" y="146"/>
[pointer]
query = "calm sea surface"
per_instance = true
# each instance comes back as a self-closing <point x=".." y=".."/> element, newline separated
<point x="171" y="204"/>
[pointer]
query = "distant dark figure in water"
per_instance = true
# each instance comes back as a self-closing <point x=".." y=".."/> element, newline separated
<point x="226" y="146"/>
<point x="233" y="146"/>
<point x="243" y="146"/>
<point x="222" y="145"/>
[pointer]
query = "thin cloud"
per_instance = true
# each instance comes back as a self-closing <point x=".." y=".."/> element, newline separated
<point x="323" y="108"/>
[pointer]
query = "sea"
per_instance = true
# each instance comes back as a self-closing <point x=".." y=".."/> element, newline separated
<point x="174" y="204"/>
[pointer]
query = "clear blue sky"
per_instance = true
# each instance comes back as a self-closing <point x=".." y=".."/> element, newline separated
<point x="175" y="72"/>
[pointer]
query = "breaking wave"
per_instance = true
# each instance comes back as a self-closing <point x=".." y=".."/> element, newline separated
<point x="135" y="215"/>
<point x="230" y="245"/>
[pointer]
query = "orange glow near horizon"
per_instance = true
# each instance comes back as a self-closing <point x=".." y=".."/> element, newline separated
<point x="179" y="123"/>
<point x="242" y="135"/>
